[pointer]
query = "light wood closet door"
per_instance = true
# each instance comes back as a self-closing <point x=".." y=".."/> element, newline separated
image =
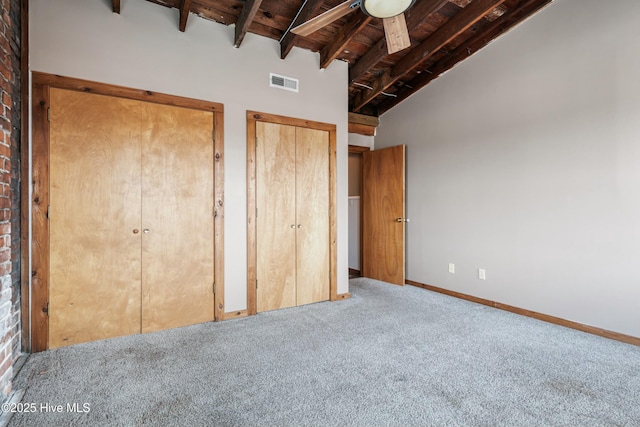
<point x="177" y="217"/>
<point x="276" y="219"/>
<point x="312" y="210"/>
<point x="95" y="208"/>
<point x="292" y="224"/>
<point x="131" y="217"/>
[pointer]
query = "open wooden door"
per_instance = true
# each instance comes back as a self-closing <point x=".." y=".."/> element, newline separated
<point x="383" y="215"/>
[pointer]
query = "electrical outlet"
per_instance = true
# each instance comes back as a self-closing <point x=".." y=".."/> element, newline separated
<point x="452" y="268"/>
<point x="482" y="274"/>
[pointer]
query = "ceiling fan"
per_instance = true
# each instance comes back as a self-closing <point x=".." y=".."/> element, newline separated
<point x="390" y="11"/>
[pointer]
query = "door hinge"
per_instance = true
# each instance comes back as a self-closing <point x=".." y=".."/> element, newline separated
<point x="213" y="135"/>
<point x="48" y="209"/>
<point x="214" y="288"/>
<point x="45" y="309"/>
<point x="256" y="212"/>
<point x="256" y="283"/>
<point x="49" y="114"/>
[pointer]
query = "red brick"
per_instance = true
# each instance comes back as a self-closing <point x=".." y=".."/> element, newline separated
<point x="9" y="197"/>
<point x="6" y="365"/>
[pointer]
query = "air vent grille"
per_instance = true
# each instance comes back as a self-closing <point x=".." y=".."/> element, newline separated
<point x="282" y="82"/>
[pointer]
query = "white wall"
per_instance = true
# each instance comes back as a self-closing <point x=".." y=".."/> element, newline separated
<point x="142" y="48"/>
<point x="525" y="160"/>
<point x="361" y="140"/>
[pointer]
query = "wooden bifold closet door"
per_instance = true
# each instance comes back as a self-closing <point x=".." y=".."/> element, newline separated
<point x="130" y="217"/>
<point x="292" y="224"/>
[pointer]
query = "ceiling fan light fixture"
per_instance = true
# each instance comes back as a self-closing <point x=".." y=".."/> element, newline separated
<point x="385" y="8"/>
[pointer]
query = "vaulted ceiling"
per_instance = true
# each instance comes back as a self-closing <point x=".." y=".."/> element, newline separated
<point x="442" y="33"/>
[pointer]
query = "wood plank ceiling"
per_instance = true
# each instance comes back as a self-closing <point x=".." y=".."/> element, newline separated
<point x="443" y="33"/>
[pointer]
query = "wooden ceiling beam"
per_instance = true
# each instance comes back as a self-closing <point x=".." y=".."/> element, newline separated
<point x="185" y="7"/>
<point x="332" y="50"/>
<point x="506" y="22"/>
<point x="363" y="125"/>
<point x="461" y="22"/>
<point x="416" y="16"/>
<point x="361" y="119"/>
<point x="361" y="129"/>
<point x="116" y="6"/>
<point x="245" y="19"/>
<point x="310" y="9"/>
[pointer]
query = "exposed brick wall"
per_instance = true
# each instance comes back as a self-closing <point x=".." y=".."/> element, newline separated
<point x="9" y="191"/>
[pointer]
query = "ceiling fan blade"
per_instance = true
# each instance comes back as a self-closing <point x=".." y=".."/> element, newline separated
<point x="396" y="33"/>
<point x="326" y="18"/>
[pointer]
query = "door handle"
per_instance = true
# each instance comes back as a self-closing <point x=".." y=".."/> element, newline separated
<point x="402" y="219"/>
<point x="145" y="231"/>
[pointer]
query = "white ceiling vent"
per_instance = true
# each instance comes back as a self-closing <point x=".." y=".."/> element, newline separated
<point x="282" y="82"/>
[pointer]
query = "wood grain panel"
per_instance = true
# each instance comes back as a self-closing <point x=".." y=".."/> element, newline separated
<point x="253" y="121"/>
<point x="218" y="245"/>
<point x="362" y="129"/>
<point x="361" y="119"/>
<point x="276" y="216"/>
<point x="251" y="216"/>
<point x="322" y="20"/>
<point x="123" y="92"/>
<point x="235" y="315"/>
<point x="354" y="149"/>
<point x="95" y="206"/>
<point x="40" y="226"/>
<point x="333" y="222"/>
<point x="396" y="33"/>
<point x="37" y="310"/>
<point x="312" y="201"/>
<point x="290" y="121"/>
<point x="177" y="211"/>
<point x="383" y="192"/>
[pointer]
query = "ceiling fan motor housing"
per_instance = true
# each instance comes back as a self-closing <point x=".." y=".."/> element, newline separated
<point x="385" y="8"/>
